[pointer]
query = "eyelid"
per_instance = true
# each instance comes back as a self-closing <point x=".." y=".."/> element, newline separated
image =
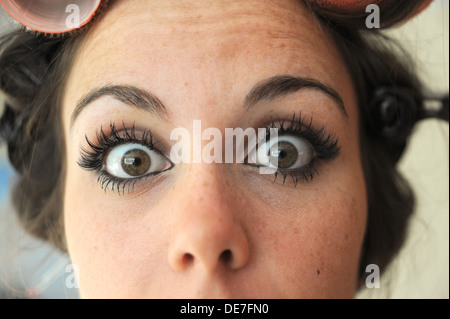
<point x="92" y="158"/>
<point x="298" y="125"/>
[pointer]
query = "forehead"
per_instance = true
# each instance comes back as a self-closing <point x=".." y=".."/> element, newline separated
<point x="179" y="49"/>
<point x="204" y="20"/>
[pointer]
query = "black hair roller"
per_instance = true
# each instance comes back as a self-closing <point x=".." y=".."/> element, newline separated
<point x="393" y="112"/>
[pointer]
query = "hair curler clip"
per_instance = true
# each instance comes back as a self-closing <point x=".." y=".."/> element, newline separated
<point x="436" y="108"/>
<point x="53" y="18"/>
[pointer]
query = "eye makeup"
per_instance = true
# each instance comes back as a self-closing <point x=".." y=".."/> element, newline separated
<point x="323" y="146"/>
<point x="94" y="158"/>
<point x="300" y="145"/>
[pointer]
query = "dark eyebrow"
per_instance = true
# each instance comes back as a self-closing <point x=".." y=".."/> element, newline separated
<point x="282" y="85"/>
<point x="129" y="95"/>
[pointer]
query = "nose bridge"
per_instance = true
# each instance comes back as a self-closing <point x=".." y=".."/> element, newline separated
<point x="208" y="232"/>
<point x="202" y="176"/>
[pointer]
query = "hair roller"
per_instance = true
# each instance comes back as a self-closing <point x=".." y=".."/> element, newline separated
<point x="391" y="117"/>
<point x="393" y="112"/>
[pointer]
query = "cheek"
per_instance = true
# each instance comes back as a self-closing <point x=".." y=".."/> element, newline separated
<point x="319" y="248"/>
<point x="104" y="234"/>
<point x="112" y="251"/>
<point x="311" y="236"/>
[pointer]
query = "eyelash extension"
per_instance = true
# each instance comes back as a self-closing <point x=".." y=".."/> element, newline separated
<point x="325" y="145"/>
<point x="92" y="160"/>
<point x="325" y="148"/>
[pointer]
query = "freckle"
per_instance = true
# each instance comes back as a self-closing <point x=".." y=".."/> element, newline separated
<point x="318" y="272"/>
<point x="199" y="16"/>
<point x="200" y="199"/>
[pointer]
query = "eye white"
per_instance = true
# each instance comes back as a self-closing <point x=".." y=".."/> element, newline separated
<point x="113" y="162"/>
<point x="268" y="153"/>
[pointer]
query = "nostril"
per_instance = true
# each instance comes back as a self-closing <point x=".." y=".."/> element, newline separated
<point x="226" y="256"/>
<point x="187" y="260"/>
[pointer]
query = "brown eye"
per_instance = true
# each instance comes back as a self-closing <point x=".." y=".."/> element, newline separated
<point x="134" y="160"/>
<point x="285" y="152"/>
<point x="285" y="156"/>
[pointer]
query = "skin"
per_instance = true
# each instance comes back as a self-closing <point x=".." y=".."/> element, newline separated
<point x="167" y="238"/>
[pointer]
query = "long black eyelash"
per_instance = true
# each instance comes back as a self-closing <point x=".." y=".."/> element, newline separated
<point x="325" y="145"/>
<point x="118" y="184"/>
<point x="92" y="159"/>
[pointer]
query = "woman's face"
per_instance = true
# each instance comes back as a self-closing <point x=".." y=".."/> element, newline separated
<point x="211" y="229"/>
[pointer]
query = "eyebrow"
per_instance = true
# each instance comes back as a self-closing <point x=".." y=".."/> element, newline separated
<point x="281" y="85"/>
<point x="267" y="90"/>
<point x="129" y="95"/>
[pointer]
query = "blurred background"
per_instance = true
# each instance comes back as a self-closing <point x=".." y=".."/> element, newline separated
<point x="422" y="269"/>
<point x="30" y="268"/>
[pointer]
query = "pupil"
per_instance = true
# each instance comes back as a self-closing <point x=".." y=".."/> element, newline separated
<point x="136" y="162"/>
<point x="283" y="154"/>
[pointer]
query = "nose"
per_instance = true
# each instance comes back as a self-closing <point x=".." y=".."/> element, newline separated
<point x="208" y="232"/>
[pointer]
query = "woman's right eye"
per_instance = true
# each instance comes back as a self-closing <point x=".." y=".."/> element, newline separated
<point x="132" y="160"/>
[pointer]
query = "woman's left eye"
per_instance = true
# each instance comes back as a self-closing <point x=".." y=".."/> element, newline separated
<point x="286" y="152"/>
<point x="134" y="160"/>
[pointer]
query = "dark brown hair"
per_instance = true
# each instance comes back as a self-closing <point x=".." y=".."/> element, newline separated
<point x="32" y="73"/>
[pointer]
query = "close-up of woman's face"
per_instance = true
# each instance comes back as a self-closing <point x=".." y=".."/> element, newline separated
<point x="137" y="224"/>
